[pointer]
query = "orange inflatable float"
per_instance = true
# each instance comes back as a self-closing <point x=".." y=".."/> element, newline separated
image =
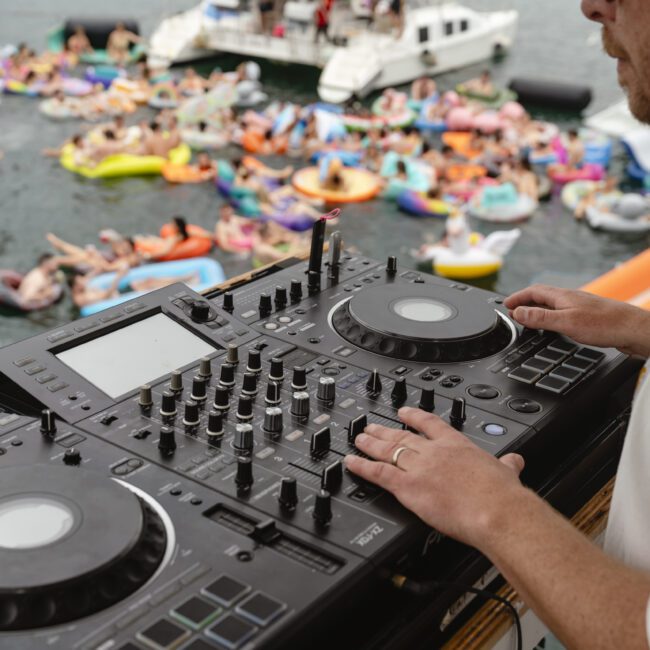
<point x="198" y="243"/>
<point x="629" y="282"/>
<point x="185" y="174"/>
<point x="461" y="143"/>
<point x="458" y="173"/>
<point x="255" y="141"/>
<point x="359" y="185"/>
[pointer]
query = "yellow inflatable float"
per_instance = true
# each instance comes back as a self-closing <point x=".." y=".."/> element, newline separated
<point x="125" y="164"/>
<point x="358" y="185"/>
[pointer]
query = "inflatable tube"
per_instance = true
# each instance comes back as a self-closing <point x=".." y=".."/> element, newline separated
<point x="254" y="141"/>
<point x="433" y="126"/>
<point x="585" y="173"/>
<point x="130" y="89"/>
<point x="605" y="220"/>
<point x="103" y="74"/>
<point x="15" y="87"/>
<point x="519" y="210"/>
<point x="360" y="185"/>
<point x="74" y="87"/>
<point x="10" y="298"/>
<point x="296" y="222"/>
<point x="459" y="173"/>
<point x="195" y="246"/>
<point x="418" y="204"/>
<point x="208" y="273"/>
<point x="56" y="110"/>
<point x="182" y="174"/>
<point x="496" y="99"/>
<point x="476" y="263"/>
<point x="551" y="94"/>
<point x="461" y="143"/>
<point x="598" y="148"/>
<point x="204" y="139"/>
<point x="573" y="193"/>
<point x="394" y="120"/>
<point x="164" y="95"/>
<point x="124" y="164"/>
<point x="416" y="179"/>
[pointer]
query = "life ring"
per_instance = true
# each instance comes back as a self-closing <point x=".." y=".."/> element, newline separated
<point x="576" y="191"/>
<point x="585" y="173"/>
<point x="10" y="297"/>
<point x="164" y="95"/>
<point x="361" y="185"/>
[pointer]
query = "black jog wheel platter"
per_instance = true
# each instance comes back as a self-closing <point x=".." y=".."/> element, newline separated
<point x="71" y="544"/>
<point x="424" y="322"/>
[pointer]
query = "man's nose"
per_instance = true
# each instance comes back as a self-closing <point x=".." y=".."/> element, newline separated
<point x="600" y="11"/>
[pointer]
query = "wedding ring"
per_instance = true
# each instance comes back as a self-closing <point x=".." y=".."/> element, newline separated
<point x="397" y="453"/>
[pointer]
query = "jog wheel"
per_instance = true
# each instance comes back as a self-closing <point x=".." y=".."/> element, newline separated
<point x="423" y="322"/>
<point x="71" y="544"/>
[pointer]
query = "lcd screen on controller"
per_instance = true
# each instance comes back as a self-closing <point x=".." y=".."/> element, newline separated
<point x="134" y="355"/>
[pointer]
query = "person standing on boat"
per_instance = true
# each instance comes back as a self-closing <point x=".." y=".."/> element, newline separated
<point x="322" y="20"/>
<point x="266" y="8"/>
<point x="591" y="599"/>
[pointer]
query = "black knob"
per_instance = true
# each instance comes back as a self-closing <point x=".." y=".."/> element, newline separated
<point x="199" y="389"/>
<point x="167" y="441"/>
<point x="232" y="355"/>
<point x="191" y="417"/>
<point x="332" y="477"/>
<point x="427" y="400"/>
<point x="249" y="384"/>
<point x="280" y="298"/>
<point x="221" y="398"/>
<point x="228" y="302"/>
<point x="205" y="367"/>
<point x="398" y="395"/>
<point x="176" y="382"/>
<point x="300" y="404"/>
<point x="323" y="508"/>
<point x="391" y="265"/>
<point x="326" y="389"/>
<point x="227" y="375"/>
<point x="374" y="383"/>
<point x="273" y="393"/>
<point x="265" y="306"/>
<point x="145" y="400"/>
<point x="288" y="493"/>
<point x="245" y="408"/>
<point x="168" y="404"/>
<point x="215" y="427"/>
<point x="200" y="310"/>
<point x="254" y="361"/>
<point x="276" y="373"/>
<point x="295" y="291"/>
<point x="299" y="380"/>
<point x="243" y="440"/>
<point x="320" y="442"/>
<point x="72" y="456"/>
<point x="458" y="415"/>
<point x="244" y="477"/>
<point x="273" y="420"/>
<point x="48" y="423"/>
<point x="356" y="426"/>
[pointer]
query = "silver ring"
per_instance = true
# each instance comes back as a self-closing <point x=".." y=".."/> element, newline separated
<point x="397" y="453"/>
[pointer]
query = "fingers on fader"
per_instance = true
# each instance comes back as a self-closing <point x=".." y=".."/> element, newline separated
<point x="381" y="474"/>
<point x="427" y="423"/>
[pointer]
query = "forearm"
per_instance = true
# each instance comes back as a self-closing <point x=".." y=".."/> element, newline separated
<point x="640" y="345"/>
<point x="588" y="599"/>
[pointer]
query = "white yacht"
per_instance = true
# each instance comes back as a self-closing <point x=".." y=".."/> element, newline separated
<point x="366" y="51"/>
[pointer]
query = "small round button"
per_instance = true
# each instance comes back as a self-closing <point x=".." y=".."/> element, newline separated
<point x="175" y="492"/>
<point x="331" y="372"/>
<point x="271" y="326"/>
<point x="285" y="319"/>
<point x="522" y="405"/>
<point x="483" y="391"/>
<point x="494" y="429"/>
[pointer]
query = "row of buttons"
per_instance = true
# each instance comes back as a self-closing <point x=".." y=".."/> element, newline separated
<point x="32" y="369"/>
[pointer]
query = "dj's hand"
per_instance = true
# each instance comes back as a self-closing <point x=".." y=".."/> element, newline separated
<point x="586" y="318"/>
<point x="450" y="483"/>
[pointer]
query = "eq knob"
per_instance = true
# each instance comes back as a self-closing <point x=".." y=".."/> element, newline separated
<point x="243" y="441"/>
<point x="205" y="367"/>
<point x="215" y="427"/>
<point x="323" y="508"/>
<point x="232" y="355"/>
<point x="391" y="265"/>
<point x="332" y="477"/>
<point x="458" y="416"/>
<point x="276" y="373"/>
<point x="254" y="361"/>
<point x="273" y="420"/>
<point x="227" y="375"/>
<point x="228" y="302"/>
<point x="300" y="404"/>
<point x="295" y="291"/>
<point x="249" y="384"/>
<point x="288" y="497"/>
<point x="280" y="298"/>
<point x="221" y="398"/>
<point x="168" y="405"/>
<point x="273" y="394"/>
<point x="244" y="476"/>
<point x="72" y="456"/>
<point x="167" y="441"/>
<point x="373" y="385"/>
<point x="320" y="442"/>
<point x="299" y="379"/>
<point x="427" y="400"/>
<point x="191" y="417"/>
<point x="398" y="395"/>
<point x="245" y="408"/>
<point x="48" y="423"/>
<point x="265" y="306"/>
<point x="176" y="382"/>
<point x="200" y="310"/>
<point x="145" y="399"/>
<point x="356" y="426"/>
<point x="326" y="389"/>
<point x="199" y="389"/>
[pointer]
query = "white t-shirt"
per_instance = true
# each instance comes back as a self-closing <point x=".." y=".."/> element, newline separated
<point x="628" y="530"/>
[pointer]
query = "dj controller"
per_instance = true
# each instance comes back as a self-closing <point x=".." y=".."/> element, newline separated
<point x="171" y="469"/>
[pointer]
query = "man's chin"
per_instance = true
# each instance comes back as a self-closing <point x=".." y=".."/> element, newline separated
<point x="639" y="106"/>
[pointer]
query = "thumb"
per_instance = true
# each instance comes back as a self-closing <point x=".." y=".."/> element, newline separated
<point x="538" y="318"/>
<point x="514" y="461"/>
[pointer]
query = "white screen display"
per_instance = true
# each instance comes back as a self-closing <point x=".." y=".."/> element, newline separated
<point x="134" y="355"/>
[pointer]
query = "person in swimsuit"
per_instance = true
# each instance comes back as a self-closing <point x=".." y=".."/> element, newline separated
<point x="119" y="42"/>
<point x="79" y="43"/>
<point x="39" y="284"/>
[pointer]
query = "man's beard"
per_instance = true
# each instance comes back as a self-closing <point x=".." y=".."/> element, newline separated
<point x="638" y="95"/>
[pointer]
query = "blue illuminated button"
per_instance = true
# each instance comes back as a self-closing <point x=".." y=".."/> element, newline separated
<point x="494" y="429"/>
<point x="261" y="609"/>
<point x="231" y="632"/>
